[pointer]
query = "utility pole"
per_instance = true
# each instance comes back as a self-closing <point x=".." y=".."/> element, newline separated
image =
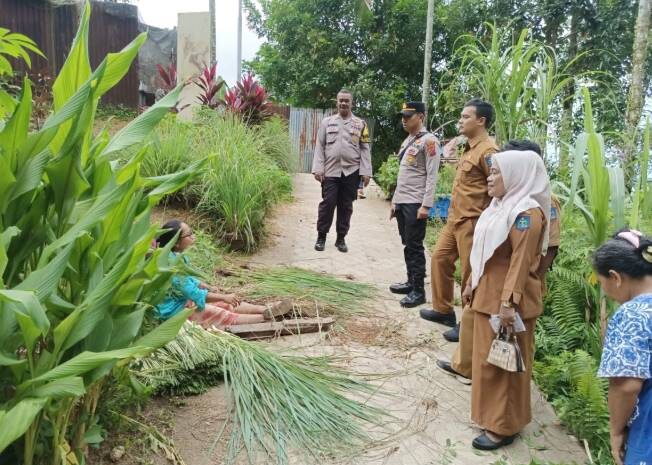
<point x="211" y="9"/>
<point x="427" y="60"/>
<point x="239" y="75"/>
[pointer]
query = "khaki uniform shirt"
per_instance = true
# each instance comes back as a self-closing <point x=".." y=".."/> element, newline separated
<point x="470" y="197"/>
<point x="418" y="170"/>
<point x="511" y="273"/>
<point x="554" y="238"/>
<point x="342" y="147"/>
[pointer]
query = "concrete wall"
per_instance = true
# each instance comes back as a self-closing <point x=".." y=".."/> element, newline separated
<point x="193" y="53"/>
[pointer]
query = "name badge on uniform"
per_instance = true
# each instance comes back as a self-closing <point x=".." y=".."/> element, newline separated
<point x="553" y="213"/>
<point x="523" y="222"/>
<point x="410" y="156"/>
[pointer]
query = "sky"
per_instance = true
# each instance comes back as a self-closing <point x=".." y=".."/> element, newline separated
<point x="163" y="13"/>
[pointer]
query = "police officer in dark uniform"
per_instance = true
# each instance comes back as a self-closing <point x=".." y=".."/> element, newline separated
<point x="414" y="196"/>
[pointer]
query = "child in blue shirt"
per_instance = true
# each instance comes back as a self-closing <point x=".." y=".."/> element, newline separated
<point x="624" y="269"/>
<point x="212" y="309"/>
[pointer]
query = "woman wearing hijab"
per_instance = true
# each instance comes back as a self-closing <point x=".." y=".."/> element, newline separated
<point x="510" y="237"/>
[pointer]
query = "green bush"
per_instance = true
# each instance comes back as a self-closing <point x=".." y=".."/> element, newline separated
<point x="247" y="174"/>
<point x="445" y="180"/>
<point x="388" y="175"/>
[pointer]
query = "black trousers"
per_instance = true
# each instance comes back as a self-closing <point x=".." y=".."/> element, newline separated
<point x="337" y="192"/>
<point x="413" y="232"/>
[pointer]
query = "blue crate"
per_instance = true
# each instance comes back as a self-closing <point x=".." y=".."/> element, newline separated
<point x="440" y="208"/>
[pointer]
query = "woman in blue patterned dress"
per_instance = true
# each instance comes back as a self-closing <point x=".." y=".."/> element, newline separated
<point x="624" y="269"/>
<point x="212" y="309"/>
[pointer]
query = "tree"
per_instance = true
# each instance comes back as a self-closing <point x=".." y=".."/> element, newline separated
<point x="637" y="85"/>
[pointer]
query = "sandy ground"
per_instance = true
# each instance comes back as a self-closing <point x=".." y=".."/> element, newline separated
<point x="431" y="409"/>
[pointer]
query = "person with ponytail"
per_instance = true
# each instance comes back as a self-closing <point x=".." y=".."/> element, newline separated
<point x="212" y="309"/>
<point x="623" y="266"/>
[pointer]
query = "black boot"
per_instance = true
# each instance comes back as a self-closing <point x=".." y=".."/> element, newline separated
<point x="320" y="245"/>
<point x="453" y="335"/>
<point x="340" y="244"/>
<point x="417" y="296"/>
<point x="401" y="288"/>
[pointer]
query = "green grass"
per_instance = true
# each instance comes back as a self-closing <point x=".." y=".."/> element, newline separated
<point x="247" y="175"/>
<point x="327" y="293"/>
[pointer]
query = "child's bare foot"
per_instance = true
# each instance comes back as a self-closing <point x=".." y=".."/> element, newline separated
<point x="280" y="308"/>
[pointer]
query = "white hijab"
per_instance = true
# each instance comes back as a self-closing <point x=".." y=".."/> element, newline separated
<point x="526" y="186"/>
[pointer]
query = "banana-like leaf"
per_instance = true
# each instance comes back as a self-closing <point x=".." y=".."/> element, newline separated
<point x="30" y="174"/>
<point x="117" y="64"/>
<point x="7" y="181"/>
<point x="72" y="386"/>
<point x="15" y="130"/>
<point x="126" y="328"/>
<point x="617" y="183"/>
<point x="77" y="67"/>
<point x="44" y="281"/>
<point x="5" y="239"/>
<point x="7" y="360"/>
<point x="175" y="181"/>
<point x="29" y="313"/>
<point x="100" y="208"/>
<point x="164" y="332"/>
<point x="135" y="132"/>
<point x="14" y="422"/>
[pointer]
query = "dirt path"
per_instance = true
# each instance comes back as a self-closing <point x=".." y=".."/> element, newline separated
<point x="432" y="409"/>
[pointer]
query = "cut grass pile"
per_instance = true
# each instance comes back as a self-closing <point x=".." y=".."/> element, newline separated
<point x="280" y="403"/>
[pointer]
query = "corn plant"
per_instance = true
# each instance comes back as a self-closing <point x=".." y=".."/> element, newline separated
<point x="522" y="79"/>
<point x="76" y="279"/>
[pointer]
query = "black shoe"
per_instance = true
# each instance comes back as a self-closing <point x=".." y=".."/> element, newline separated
<point x="341" y="245"/>
<point x="453" y="334"/>
<point x="447" y="319"/>
<point x="483" y="442"/>
<point x="414" y="298"/>
<point x="320" y="245"/>
<point x="446" y="366"/>
<point x="401" y="288"/>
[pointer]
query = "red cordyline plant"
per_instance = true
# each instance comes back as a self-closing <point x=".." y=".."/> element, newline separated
<point x="168" y="76"/>
<point x="249" y="100"/>
<point x="210" y="84"/>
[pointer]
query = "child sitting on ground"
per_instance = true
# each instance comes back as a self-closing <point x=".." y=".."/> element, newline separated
<point x="624" y="268"/>
<point x="212" y="309"/>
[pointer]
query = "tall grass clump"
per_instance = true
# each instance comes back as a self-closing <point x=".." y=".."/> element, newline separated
<point x="247" y="175"/>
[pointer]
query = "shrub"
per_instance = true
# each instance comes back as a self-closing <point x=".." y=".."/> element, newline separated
<point x="248" y="100"/>
<point x="387" y="175"/>
<point x="247" y="174"/>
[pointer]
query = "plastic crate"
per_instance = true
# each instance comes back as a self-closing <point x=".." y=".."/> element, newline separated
<point x="440" y="208"/>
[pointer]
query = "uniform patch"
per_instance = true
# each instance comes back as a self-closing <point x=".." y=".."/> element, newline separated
<point x="553" y="213"/>
<point x="410" y="160"/>
<point x="523" y="222"/>
<point x="431" y="147"/>
<point x="365" y="135"/>
<point x="489" y="159"/>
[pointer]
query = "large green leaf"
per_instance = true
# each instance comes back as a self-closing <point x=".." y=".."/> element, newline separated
<point x="5" y="239"/>
<point x="83" y="363"/>
<point x="14" y="422"/>
<point x="165" y="332"/>
<point x="29" y="313"/>
<point x="72" y="386"/>
<point x="77" y="67"/>
<point x="101" y="206"/>
<point x="135" y="132"/>
<point x="175" y="181"/>
<point x="30" y="174"/>
<point x="45" y="280"/>
<point x="617" y="202"/>
<point x="117" y="64"/>
<point x="16" y="129"/>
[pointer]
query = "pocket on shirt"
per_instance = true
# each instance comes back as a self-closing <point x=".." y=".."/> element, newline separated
<point x="331" y="135"/>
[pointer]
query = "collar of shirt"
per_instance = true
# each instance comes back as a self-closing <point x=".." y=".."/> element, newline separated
<point x="472" y="143"/>
<point x="346" y="120"/>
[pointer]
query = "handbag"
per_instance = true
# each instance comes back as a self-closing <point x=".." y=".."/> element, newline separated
<point x="505" y="352"/>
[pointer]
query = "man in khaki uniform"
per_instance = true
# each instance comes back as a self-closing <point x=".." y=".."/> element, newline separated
<point x="469" y="198"/>
<point x="414" y="195"/>
<point x="342" y="159"/>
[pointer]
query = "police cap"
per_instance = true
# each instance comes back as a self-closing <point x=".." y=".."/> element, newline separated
<point x="410" y="108"/>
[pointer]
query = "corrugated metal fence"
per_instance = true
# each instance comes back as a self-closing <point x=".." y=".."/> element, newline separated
<point x="53" y="29"/>
<point x="304" y="124"/>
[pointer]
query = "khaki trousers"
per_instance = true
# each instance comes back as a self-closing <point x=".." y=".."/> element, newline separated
<point x="455" y="241"/>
